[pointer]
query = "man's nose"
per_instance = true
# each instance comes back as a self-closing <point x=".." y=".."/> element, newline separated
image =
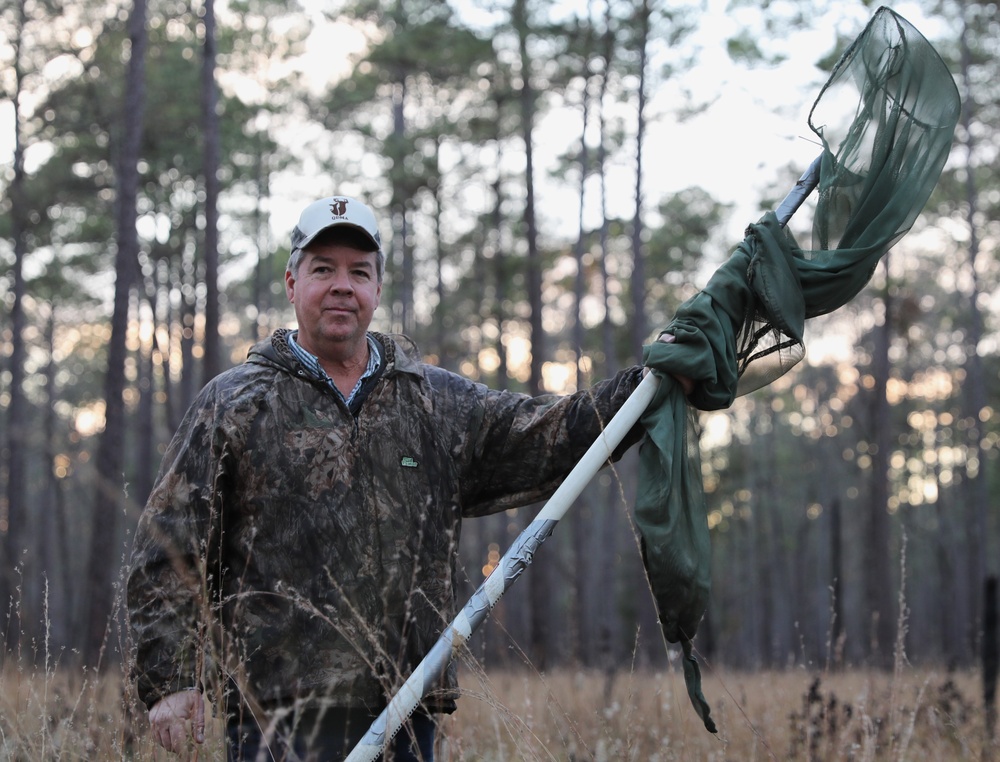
<point x="341" y="282"/>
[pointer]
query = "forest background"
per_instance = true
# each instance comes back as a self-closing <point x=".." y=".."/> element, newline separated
<point x="544" y="213"/>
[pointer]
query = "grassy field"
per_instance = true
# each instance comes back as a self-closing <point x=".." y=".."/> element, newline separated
<point x="916" y="715"/>
<point x="912" y="714"/>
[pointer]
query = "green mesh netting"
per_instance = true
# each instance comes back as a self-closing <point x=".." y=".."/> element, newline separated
<point x="886" y="119"/>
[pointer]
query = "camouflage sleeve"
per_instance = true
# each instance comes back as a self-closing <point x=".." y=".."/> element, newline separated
<point x="523" y="447"/>
<point x="169" y="583"/>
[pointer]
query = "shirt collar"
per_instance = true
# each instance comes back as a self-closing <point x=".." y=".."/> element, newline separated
<point x="315" y="370"/>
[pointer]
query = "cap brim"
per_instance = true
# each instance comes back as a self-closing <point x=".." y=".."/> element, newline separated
<point x="307" y="239"/>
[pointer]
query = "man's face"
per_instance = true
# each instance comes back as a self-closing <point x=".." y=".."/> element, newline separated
<point x="335" y="293"/>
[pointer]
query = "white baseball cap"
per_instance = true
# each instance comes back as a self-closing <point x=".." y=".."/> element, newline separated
<point x="330" y="212"/>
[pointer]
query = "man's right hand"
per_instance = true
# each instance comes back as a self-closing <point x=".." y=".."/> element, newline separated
<point x="170" y="717"/>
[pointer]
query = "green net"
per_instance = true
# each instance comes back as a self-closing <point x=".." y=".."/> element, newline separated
<point x="886" y="119"/>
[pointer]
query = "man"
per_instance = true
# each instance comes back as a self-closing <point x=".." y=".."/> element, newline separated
<point x="299" y="548"/>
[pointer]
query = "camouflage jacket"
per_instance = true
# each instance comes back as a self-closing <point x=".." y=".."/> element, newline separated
<point x="304" y="551"/>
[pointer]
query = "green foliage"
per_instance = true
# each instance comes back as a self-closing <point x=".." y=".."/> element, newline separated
<point x="744" y="48"/>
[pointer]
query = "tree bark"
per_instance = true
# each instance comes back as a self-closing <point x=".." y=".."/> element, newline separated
<point x="145" y="428"/>
<point x="534" y="265"/>
<point x="210" y="170"/>
<point x="109" y="493"/>
<point x="540" y="581"/>
<point x="188" y="309"/>
<point x="878" y="576"/>
<point x="585" y="521"/>
<point x="12" y="530"/>
<point x="638" y="327"/>
<point x="262" y="272"/>
<point x="975" y="484"/>
<point x="55" y="555"/>
<point x="834" y="657"/>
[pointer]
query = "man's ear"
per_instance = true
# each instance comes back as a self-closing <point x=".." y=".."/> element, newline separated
<point x="290" y="286"/>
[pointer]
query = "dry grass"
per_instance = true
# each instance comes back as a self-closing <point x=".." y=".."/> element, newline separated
<point x="923" y="715"/>
<point x="916" y="715"/>
<point x="62" y="715"/>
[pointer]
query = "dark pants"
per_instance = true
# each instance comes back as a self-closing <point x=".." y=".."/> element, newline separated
<point x="326" y="735"/>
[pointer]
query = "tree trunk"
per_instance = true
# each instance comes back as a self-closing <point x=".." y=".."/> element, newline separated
<point x="833" y="657"/>
<point x="990" y="654"/>
<point x="952" y="599"/>
<point x="500" y="274"/>
<point x="188" y="308"/>
<point x="446" y="354"/>
<point x="540" y="581"/>
<point x="638" y="323"/>
<point x="210" y="171"/>
<point x="402" y="277"/>
<point x="610" y="364"/>
<point x="262" y="273"/>
<point x="56" y="558"/>
<point x="585" y="521"/>
<point x="170" y="404"/>
<point x="12" y="525"/>
<point x="878" y="576"/>
<point x="579" y="282"/>
<point x="109" y="493"/>
<point x="975" y="485"/>
<point x="534" y="264"/>
<point x="764" y="550"/>
<point x="753" y="600"/>
<point x="145" y="429"/>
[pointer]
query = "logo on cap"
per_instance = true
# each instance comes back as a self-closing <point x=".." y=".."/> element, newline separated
<point x="338" y="207"/>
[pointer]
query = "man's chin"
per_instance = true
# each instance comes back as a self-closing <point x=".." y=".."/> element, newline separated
<point x="341" y="324"/>
<point x="343" y="335"/>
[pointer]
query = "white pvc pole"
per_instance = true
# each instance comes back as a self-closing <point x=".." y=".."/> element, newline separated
<point x="427" y="674"/>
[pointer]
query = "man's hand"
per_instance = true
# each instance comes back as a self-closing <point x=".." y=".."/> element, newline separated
<point x="170" y="716"/>
<point x="686" y="383"/>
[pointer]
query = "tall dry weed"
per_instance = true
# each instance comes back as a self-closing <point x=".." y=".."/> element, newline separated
<point x="916" y="714"/>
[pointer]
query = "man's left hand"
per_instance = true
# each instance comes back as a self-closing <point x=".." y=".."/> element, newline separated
<point x="686" y="383"/>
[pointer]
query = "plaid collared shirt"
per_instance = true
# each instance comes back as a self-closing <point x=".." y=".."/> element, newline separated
<point x="312" y="365"/>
